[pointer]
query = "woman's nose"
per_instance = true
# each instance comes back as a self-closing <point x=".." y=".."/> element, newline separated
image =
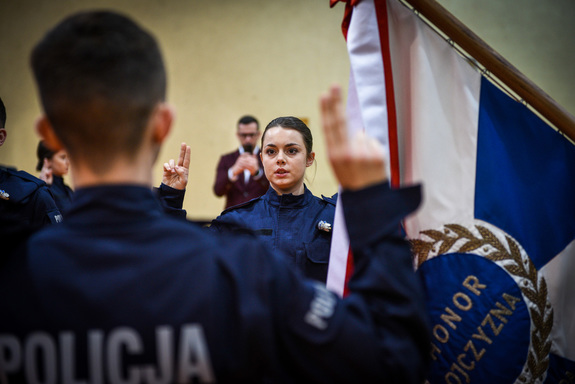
<point x="280" y="158"/>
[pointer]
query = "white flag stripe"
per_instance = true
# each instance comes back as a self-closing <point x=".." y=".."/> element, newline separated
<point x="367" y="72"/>
<point x="337" y="267"/>
<point x="437" y="98"/>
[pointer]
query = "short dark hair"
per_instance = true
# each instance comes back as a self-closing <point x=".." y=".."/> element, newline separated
<point x="2" y="114"/>
<point x="43" y="152"/>
<point x="248" y="119"/>
<point x="99" y="76"/>
<point x="292" y="123"/>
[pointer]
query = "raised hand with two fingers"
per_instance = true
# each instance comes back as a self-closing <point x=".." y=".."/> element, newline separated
<point x="176" y="175"/>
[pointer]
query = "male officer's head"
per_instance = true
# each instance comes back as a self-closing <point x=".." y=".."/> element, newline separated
<point x="102" y="84"/>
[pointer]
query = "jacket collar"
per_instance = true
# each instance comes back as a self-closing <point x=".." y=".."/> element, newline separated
<point x="288" y="200"/>
<point x="113" y="203"/>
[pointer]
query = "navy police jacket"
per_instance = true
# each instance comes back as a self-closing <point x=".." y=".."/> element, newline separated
<point x="62" y="193"/>
<point x="288" y="224"/>
<point x="120" y="292"/>
<point x="26" y="199"/>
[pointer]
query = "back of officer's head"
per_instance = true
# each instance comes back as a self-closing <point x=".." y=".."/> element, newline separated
<point x="99" y="77"/>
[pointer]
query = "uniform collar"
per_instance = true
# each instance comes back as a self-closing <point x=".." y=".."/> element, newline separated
<point x="288" y="200"/>
<point x="113" y="203"/>
<point x="58" y="180"/>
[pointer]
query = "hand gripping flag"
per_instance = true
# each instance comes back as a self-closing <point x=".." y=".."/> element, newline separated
<point x="493" y="241"/>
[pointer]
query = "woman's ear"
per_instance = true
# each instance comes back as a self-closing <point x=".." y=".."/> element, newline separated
<point x="310" y="159"/>
<point x="46" y="132"/>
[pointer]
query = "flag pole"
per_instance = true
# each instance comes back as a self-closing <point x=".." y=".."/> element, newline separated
<point x="496" y="64"/>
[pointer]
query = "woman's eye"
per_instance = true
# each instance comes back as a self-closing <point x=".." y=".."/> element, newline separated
<point x="270" y="151"/>
<point x="292" y="151"/>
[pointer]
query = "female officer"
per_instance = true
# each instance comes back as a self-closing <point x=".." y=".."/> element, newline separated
<point x="53" y="166"/>
<point x="288" y="217"/>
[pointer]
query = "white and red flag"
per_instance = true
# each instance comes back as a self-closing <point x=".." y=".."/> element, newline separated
<point x="493" y="240"/>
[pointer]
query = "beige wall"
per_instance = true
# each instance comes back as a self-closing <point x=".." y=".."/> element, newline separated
<point x="264" y="57"/>
<point x="537" y="37"/>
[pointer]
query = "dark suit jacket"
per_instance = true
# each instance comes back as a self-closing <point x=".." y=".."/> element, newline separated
<point x="237" y="192"/>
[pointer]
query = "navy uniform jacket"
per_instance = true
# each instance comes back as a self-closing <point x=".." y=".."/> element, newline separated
<point x="26" y="199"/>
<point x="289" y="224"/>
<point x="120" y="292"/>
<point x="62" y="193"/>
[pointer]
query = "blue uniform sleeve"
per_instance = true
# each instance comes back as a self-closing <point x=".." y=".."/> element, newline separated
<point x="379" y="332"/>
<point x="172" y="200"/>
<point x="227" y="225"/>
<point x="46" y="210"/>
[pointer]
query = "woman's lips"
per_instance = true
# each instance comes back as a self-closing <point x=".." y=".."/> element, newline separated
<point x="280" y="172"/>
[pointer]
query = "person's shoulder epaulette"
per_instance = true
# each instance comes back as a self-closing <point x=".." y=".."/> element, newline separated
<point x="241" y="205"/>
<point x="332" y="200"/>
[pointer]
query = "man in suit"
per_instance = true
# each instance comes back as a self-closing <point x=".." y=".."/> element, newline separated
<point x="240" y="175"/>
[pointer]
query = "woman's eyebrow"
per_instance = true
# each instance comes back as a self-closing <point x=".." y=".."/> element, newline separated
<point x="287" y="145"/>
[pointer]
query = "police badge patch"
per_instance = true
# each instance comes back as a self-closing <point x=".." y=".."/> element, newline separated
<point x="490" y="313"/>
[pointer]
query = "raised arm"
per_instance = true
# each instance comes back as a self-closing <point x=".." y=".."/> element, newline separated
<point x="357" y="163"/>
<point x="174" y="181"/>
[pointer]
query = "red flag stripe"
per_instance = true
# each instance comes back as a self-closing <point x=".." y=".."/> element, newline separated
<point x="381" y="12"/>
